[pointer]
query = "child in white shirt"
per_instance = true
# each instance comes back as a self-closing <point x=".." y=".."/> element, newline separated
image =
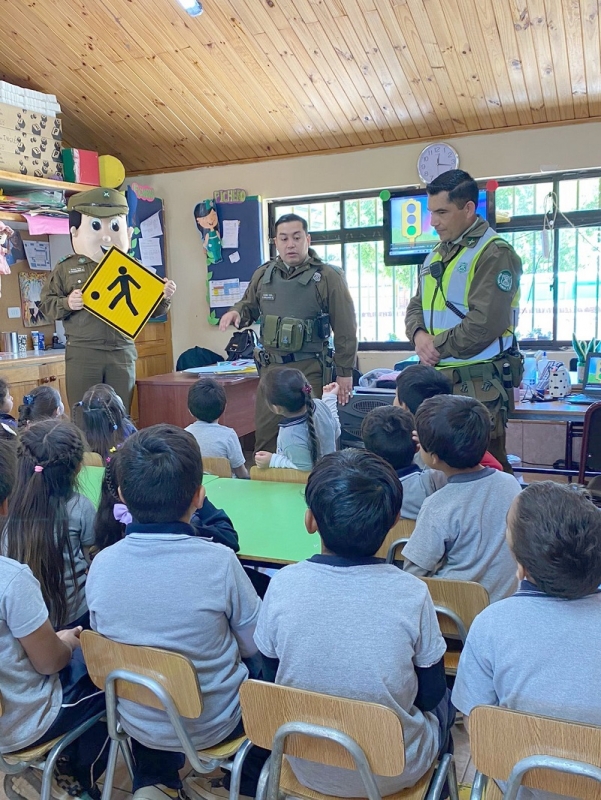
<point x="310" y="428"/>
<point x="206" y="402"/>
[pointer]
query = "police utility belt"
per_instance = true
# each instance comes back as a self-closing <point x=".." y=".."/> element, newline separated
<point x="292" y="339"/>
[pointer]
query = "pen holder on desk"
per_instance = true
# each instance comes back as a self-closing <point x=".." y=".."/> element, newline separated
<point x="10" y="342"/>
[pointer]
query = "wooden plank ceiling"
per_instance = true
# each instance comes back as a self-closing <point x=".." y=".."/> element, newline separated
<point x="255" y="79"/>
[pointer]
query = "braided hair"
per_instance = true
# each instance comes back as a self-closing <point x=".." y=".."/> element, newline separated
<point x="108" y="530"/>
<point x="289" y="389"/>
<point x="50" y="454"/>
<point x="103" y="419"/>
<point x="43" y="402"/>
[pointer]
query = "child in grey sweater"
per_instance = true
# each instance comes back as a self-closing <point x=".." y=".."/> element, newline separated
<point x="310" y="428"/>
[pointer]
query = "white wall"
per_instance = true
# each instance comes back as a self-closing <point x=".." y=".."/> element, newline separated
<point x="573" y="146"/>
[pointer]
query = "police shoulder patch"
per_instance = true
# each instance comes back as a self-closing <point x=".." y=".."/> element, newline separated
<point x="504" y="280"/>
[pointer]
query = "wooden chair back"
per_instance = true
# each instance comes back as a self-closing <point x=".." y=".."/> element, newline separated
<point x="590" y="453"/>
<point x="174" y="672"/>
<point x="375" y="728"/>
<point x="499" y="738"/>
<point x="400" y="530"/>
<point x="466" y="598"/>
<point x="217" y="466"/>
<point x="279" y="475"/>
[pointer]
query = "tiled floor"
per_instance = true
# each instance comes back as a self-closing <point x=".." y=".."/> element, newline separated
<point x="465" y="768"/>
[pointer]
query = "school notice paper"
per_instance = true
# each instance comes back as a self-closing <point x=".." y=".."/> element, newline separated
<point x="38" y="255"/>
<point x="226" y="293"/>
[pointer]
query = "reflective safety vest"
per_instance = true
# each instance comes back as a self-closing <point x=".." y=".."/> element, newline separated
<point x="454" y="286"/>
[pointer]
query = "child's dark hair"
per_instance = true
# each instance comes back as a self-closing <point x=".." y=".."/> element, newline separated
<point x="8" y="467"/>
<point x="4" y="391"/>
<point x="355" y="498"/>
<point x="416" y="383"/>
<point x="207" y="400"/>
<point x="108" y="530"/>
<point x="455" y="428"/>
<point x="288" y="388"/>
<point x="37" y="532"/>
<point x="160" y="470"/>
<point x="41" y="403"/>
<point x="555" y="534"/>
<point x="102" y="417"/>
<point x="387" y="431"/>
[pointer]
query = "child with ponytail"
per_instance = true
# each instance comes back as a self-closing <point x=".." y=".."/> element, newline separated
<point x="50" y="526"/>
<point x="102" y="417"/>
<point x="43" y="402"/>
<point x="310" y="428"/>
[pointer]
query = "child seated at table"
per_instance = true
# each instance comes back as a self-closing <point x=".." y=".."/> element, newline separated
<point x="310" y="428"/>
<point x="416" y="384"/>
<point x="387" y="431"/>
<point x="43" y="402"/>
<point x="460" y="529"/>
<point x="181" y="593"/>
<point x="538" y="651"/>
<point x="6" y="405"/>
<point x="50" y="526"/>
<point x="207" y="402"/>
<point x="102" y="418"/>
<point x="46" y="691"/>
<point x="367" y="630"/>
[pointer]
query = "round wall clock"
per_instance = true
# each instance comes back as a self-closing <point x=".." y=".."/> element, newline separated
<point x="435" y="159"/>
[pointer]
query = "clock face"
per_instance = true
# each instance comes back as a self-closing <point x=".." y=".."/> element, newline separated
<point x="436" y="159"/>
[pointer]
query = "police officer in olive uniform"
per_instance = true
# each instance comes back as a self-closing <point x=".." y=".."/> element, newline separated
<point x="298" y="300"/>
<point x="96" y="352"/>
<point x="463" y="318"/>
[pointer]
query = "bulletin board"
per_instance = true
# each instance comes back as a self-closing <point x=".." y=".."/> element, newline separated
<point x="147" y="218"/>
<point x="250" y="247"/>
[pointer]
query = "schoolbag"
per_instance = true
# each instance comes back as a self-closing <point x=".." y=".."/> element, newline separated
<point x="241" y="345"/>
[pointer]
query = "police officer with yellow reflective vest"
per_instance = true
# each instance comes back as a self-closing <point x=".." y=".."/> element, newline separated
<point x="96" y="352"/>
<point x="299" y="300"/>
<point x="463" y="318"/>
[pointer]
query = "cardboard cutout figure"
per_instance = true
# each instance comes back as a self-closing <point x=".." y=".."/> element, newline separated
<point x="5" y="234"/>
<point x="207" y="223"/>
<point x="96" y="352"/>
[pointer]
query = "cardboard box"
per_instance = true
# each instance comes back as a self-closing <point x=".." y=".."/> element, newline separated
<point x="30" y="122"/>
<point x="81" y="166"/>
<point x="40" y="147"/>
<point x="25" y="165"/>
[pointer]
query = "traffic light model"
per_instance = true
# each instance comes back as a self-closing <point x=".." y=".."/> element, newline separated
<point x="411" y="219"/>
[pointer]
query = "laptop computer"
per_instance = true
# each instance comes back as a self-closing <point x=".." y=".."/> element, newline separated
<point x="591" y="390"/>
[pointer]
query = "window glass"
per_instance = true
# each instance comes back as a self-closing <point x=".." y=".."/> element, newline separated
<point x="536" y="287"/>
<point x="522" y="200"/>
<point x="365" y="213"/>
<point x="578" y="276"/>
<point x="319" y="216"/>
<point x="583" y="194"/>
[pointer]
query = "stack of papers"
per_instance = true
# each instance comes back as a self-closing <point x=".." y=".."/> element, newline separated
<point x="243" y="366"/>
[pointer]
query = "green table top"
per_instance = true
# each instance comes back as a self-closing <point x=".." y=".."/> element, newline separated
<point x="208" y="478"/>
<point x="269" y="518"/>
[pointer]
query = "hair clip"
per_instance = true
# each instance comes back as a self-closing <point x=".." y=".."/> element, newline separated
<point x="307" y="389"/>
<point x="28" y="400"/>
<point x="38" y="468"/>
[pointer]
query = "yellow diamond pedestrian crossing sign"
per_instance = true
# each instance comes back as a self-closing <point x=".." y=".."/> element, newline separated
<point x="122" y="293"/>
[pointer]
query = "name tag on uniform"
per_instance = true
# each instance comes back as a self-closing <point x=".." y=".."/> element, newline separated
<point x="76" y="270"/>
<point x="267" y="296"/>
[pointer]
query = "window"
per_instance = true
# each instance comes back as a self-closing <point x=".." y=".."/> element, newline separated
<point x="561" y="283"/>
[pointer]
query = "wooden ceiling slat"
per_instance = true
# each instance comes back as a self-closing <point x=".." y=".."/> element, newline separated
<point x="321" y="74"/>
<point x="589" y="16"/>
<point x="442" y="54"/>
<point x="393" y="64"/>
<point x="411" y="25"/>
<point x="255" y="79"/>
<point x="557" y="54"/>
<point x="548" y="65"/>
<point x="481" y="29"/>
<point x="414" y="72"/>
<point x="569" y="13"/>
<point x="520" y="19"/>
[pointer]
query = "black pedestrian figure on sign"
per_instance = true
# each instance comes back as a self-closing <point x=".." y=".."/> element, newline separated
<point x="123" y="282"/>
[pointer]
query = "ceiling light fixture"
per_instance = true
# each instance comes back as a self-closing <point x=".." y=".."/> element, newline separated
<point x="191" y="7"/>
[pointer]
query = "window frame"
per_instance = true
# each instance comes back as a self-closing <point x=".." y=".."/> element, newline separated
<point x="533" y="222"/>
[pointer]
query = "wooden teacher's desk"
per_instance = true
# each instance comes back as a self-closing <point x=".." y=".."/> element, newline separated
<point x="164" y="398"/>
<point x="550" y="411"/>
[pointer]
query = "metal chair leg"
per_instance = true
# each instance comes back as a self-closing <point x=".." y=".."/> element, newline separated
<point x="109" y="775"/>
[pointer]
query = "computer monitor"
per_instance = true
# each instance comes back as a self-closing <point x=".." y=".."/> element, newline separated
<point x="592" y="379"/>
<point x="408" y="232"/>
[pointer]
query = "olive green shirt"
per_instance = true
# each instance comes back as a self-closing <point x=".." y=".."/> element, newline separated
<point x="82" y="328"/>
<point x="490" y="313"/>
<point x="335" y="298"/>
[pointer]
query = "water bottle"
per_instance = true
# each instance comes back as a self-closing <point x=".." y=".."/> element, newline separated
<point x="530" y="371"/>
